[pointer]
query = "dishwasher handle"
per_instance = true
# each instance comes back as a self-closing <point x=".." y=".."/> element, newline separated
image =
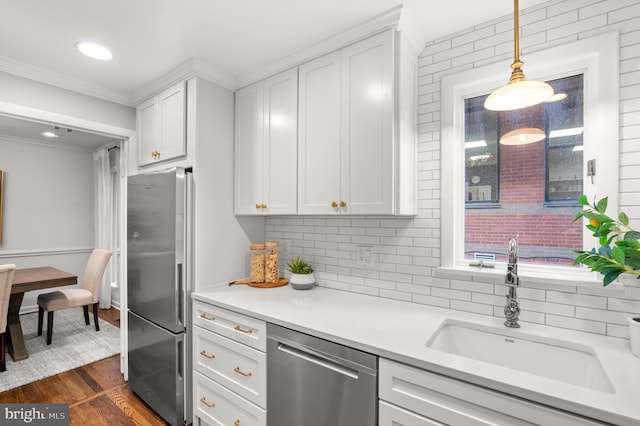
<point x="318" y="359"/>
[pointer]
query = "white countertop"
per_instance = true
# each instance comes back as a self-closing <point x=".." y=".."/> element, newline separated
<point x="399" y="331"/>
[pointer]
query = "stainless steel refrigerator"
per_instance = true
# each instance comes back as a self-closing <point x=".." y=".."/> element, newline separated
<point x="158" y="291"/>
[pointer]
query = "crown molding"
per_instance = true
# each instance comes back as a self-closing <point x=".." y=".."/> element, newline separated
<point x="191" y="68"/>
<point x="21" y="69"/>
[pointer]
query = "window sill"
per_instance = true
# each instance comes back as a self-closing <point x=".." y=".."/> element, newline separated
<point x="549" y="278"/>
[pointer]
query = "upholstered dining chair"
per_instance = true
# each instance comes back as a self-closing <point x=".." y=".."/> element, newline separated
<point x="76" y="297"/>
<point x="6" y="280"/>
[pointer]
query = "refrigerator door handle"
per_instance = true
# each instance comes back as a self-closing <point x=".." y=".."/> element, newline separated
<point x="180" y="361"/>
<point x="180" y="295"/>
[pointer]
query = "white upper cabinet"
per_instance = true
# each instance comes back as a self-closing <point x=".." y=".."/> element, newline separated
<point x="319" y="135"/>
<point x="347" y="146"/>
<point x="266" y="146"/>
<point x="162" y="126"/>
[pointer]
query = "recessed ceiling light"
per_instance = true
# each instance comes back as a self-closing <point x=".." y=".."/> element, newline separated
<point x="49" y="135"/>
<point x="94" y="51"/>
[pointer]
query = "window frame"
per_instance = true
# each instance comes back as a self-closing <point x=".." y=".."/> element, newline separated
<point x="598" y="59"/>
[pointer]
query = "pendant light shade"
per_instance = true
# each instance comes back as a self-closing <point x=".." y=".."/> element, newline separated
<point x="519" y="92"/>
<point x="522" y="126"/>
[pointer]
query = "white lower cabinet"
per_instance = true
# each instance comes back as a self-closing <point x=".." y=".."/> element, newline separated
<point x="216" y="405"/>
<point x="413" y="397"/>
<point x="230" y="368"/>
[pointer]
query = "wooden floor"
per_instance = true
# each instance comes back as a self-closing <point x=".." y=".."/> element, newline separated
<point x="96" y="393"/>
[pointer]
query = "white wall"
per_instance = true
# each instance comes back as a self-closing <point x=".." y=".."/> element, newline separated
<point x="409" y="248"/>
<point x="40" y="96"/>
<point x="222" y="239"/>
<point x="48" y="205"/>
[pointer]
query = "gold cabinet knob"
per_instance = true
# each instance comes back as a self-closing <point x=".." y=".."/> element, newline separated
<point x="343" y="204"/>
<point x="264" y="206"/>
<point x="334" y="204"/>
<point x="236" y="423"/>
<point x="257" y="206"/>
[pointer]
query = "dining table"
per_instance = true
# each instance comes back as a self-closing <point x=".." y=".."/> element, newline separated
<point x="24" y="280"/>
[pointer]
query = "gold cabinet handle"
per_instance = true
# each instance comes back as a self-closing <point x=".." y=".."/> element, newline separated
<point x="264" y="206"/>
<point x="257" y="206"/>
<point x="236" y="423"/>
<point x="237" y="370"/>
<point x="208" y="404"/>
<point x="343" y="204"/>
<point x="204" y="316"/>
<point x="238" y="328"/>
<point x="334" y="204"/>
<point x="204" y="353"/>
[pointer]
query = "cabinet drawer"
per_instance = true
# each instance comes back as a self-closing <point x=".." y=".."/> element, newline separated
<point x="234" y="365"/>
<point x="241" y="328"/>
<point x="452" y="401"/>
<point x="390" y="415"/>
<point x="217" y="405"/>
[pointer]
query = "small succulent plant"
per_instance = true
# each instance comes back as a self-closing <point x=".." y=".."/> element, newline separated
<point x="610" y="261"/>
<point x="297" y="265"/>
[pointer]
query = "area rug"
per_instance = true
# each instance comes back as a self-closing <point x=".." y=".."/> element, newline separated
<point x="73" y="345"/>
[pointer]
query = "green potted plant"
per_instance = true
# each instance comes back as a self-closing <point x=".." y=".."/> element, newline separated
<point x="301" y="273"/>
<point x="619" y="252"/>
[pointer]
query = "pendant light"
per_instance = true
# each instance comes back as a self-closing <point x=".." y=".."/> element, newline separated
<point x="519" y="92"/>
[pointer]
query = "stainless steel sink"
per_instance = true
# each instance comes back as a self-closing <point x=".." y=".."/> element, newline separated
<point x="567" y="362"/>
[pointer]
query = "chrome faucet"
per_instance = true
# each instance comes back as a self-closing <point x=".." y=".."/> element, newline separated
<point x="512" y="308"/>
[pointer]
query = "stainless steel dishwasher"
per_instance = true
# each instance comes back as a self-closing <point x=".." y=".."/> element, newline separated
<point x="314" y="382"/>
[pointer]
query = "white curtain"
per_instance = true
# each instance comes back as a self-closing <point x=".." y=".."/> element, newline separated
<point x="104" y="219"/>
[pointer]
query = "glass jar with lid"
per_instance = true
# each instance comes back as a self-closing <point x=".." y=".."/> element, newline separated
<point x="271" y="267"/>
<point x="257" y="267"/>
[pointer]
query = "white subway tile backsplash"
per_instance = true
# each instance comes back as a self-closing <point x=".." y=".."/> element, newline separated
<point x="476" y="308"/>
<point x="472" y="286"/>
<point x="577" y="299"/>
<point x="547" y="308"/>
<point x="430" y="300"/>
<point x="624" y="305"/>
<point x="576" y="324"/>
<point x="602" y="315"/>
<point x="451" y="294"/>
<point x="407" y="250"/>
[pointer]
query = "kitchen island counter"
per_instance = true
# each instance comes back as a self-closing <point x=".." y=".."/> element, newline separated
<point x="399" y="331"/>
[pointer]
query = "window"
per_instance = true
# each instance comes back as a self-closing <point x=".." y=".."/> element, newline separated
<point x="529" y="190"/>
<point x="491" y="192"/>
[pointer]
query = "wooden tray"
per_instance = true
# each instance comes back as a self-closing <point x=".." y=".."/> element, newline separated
<point x="280" y="283"/>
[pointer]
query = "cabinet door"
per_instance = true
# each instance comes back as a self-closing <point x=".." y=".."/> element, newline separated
<point x="249" y="149"/>
<point x="367" y="126"/>
<point x="173" y="120"/>
<point x="279" y="190"/>
<point x="148" y="131"/>
<point x="319" y="135"/>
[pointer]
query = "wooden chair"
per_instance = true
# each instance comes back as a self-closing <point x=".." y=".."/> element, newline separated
<point x="6" y="280"/>
<point x="76" y="297"/>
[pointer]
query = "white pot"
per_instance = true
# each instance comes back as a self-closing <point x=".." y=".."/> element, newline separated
<point x="634" y="335"/>
<point x="302" y="281"/>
